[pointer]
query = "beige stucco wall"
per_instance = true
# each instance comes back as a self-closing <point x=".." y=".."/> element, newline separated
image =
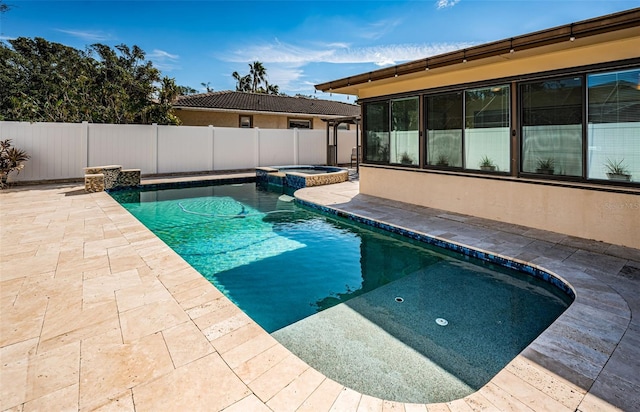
<point x="620" y="45"/>
<point x="229" y="119"/>
<point x="591" y="214"/>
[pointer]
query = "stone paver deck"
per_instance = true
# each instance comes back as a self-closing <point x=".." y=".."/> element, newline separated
<point x="99" y="314"/>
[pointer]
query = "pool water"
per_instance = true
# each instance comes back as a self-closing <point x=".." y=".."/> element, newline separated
<point x="354" y="302"/>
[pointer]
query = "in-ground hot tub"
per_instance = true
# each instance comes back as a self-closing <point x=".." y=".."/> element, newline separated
<point x="292" y="178"/>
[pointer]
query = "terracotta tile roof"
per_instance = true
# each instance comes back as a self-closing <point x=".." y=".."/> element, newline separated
<point x="257" y="102"/>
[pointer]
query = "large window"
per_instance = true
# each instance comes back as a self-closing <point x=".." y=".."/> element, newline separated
<point x="552" y="127"/>
<point x="486" y="132"/>
<point x="583" y="126"/>
<point x="614" y="125"/>
<point x="404" y="145"/>
<point x="444" y="129"/>
<point x="376" y="125"/>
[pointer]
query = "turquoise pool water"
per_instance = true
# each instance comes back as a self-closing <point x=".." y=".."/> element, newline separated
<point x="364" y="307"/>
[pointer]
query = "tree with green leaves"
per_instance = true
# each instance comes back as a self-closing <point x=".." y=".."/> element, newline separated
<point x="186" y="90"/>
<point x="208" y="88"/>
<point x="258" y="75"/>
<point x="42" y="81"/>
<point x="272" y="88"/>
<point x="243" y="83"/>
<point x="256" y="81"/>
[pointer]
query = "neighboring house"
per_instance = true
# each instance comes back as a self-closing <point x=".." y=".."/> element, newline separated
<point x="240" y="109"/>
<point x="524" y="130"/>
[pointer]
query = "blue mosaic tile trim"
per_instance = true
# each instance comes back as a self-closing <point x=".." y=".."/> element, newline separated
<point x="195" y="183"/>
<point x="295" y="182"/>
<point x="487" y="257"/>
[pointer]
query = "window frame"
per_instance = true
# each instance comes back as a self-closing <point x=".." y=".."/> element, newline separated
<point x="521" y="125"/>
<point x="299" y="119"/>
<point x="392" y="130"/>
<point x="515" y="122"/>
<point x="617" y="162"/>
<point x="240" y="118"/>
<point x="365" y="139"/>
<point x="463" y="165"/>
<point x="425" y="127"/>
<point x="492" y="165"/>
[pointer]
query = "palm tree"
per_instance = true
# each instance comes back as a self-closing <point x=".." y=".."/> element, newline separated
<point x="272" y="88"/>
<point x="186" y="90"/>
<point x="206" y="86"/>
<point x="243" y="83"/>
<point x="258" y="75"/>
<point x="256" y="81"/>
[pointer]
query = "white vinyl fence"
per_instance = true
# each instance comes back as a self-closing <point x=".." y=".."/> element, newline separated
<point x="62" y="150"/>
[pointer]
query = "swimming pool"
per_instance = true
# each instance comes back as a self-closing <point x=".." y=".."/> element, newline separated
<point x="364" y="307"/>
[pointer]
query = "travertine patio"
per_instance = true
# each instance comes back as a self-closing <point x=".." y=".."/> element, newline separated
<point x="99" y="314"/>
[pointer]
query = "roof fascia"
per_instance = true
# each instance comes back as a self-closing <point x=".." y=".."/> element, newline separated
<point x="586" y="28"/>
<point x="241" y="111"/>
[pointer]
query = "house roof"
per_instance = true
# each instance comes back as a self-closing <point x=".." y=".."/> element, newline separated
<point x="628" y="19"/>
<point x="266" y="103"/>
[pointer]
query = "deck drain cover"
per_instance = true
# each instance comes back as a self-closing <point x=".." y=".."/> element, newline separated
<point x="399" y="299"/>
<point x="442" y="322"/>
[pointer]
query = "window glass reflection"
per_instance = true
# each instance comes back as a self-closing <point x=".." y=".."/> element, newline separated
<point x="376" y="124"/>
<point x="404" y="139"/>
<point x="614" y="126"/>
<point x="444" y="129"/>
<point x="486" y="134"/>
<point x="552" y="127"/>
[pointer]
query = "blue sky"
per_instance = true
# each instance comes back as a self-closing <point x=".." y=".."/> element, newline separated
<point x="301" y="43"/>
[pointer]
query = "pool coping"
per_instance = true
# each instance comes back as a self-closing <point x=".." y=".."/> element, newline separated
<point x="570" y="354"/>
<point x="484" y="255"/>
<point x="565" y="368"/>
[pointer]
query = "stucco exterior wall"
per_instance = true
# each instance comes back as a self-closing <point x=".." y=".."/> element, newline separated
<point x="592" y="214"/>
<point x="205" y="118"/>
<point x="597" y="49"/>
<point x="229" y="119"/>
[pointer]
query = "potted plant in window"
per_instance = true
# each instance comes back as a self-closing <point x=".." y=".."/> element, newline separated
<point x="442" y="160"/>
<point x="383" y="152"/>
<point x="486" y="164"/>
<point x="405" y="159"/>
<point x="11" y="159"/>
<point x="546" y="166"/>
<point x="616" y="170"/>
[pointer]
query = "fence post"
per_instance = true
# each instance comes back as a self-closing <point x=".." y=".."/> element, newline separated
<point x="296" y="143"/>
<point x="155" y="141"/>
<point x="212" y="133"/>
<point x="85" y="140"/>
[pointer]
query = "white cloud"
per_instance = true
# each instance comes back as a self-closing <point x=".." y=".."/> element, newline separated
<point x="286" y="63"/>
<point x="278" y="52"/>
<point x="163" y="60"/>
<point x="378" y="29"/>
<point x="161" y="54"/>
<point x="92" y="36"/>
<point x="287" y="78"/>
<point x="443" y="4"/>
<point x="296" y="56"/>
